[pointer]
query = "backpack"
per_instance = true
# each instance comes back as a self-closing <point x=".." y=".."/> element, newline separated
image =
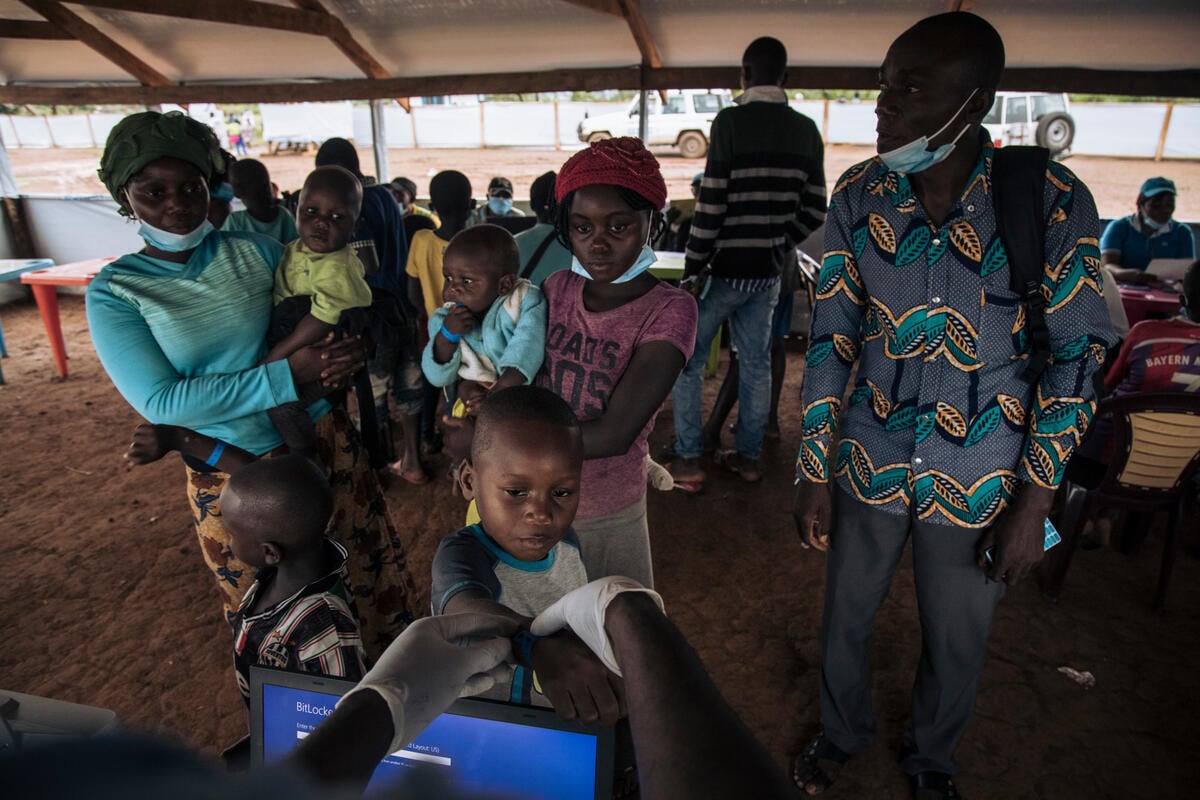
<point x="1019" y="186"/>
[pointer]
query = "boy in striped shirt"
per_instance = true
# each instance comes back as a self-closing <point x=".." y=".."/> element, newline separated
<point x="298" y="615"/>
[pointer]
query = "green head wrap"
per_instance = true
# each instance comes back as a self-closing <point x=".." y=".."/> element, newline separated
<point x="141" y="138"/>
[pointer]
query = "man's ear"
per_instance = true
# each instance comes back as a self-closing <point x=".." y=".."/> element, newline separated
<point x="272" y="553"/>
<point x="508" y="282"/>
<point x="466" y="480"/>
<point x="981" y="104"/>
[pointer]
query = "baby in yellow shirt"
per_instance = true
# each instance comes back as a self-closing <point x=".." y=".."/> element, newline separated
<point x="318" y="278"/>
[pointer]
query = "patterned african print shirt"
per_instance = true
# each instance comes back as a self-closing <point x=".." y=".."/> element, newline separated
<point x="939" y="423"/>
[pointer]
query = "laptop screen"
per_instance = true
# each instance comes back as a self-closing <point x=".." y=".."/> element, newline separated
<point x="477" y="748"/>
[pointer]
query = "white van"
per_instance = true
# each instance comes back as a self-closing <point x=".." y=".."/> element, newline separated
<point x="1032" y="118"/>
<point x="683" y="121"/>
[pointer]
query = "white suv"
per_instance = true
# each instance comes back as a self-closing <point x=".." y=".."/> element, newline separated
<point x="683" y="121"/>
<point x="1032" y="118"/>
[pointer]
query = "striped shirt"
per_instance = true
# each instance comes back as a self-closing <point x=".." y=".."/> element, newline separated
<point x="315" y="630"/>
<point x="763" y="190"/>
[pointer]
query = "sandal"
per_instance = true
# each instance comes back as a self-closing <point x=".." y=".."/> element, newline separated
<point x="931" y="785"/>
<point x="691" y="483"/>
<point x="818" y="765"/>
<point x="738" y="464"/>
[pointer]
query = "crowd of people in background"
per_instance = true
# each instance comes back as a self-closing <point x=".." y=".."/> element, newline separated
<point x="539" y="362"/>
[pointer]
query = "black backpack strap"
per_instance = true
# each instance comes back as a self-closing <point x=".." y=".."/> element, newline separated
<point x="537" y="255"/>
<point x="1018" y="187"/>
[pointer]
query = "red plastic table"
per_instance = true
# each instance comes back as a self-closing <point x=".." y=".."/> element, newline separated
<point x="43" y="281"/>
<point x="1140" y="303"/>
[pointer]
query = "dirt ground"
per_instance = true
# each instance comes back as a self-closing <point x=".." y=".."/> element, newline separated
<point x="1113" y="181"/>
<point x="110" y="606"/>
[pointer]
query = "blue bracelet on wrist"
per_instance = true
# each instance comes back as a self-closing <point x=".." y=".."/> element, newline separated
<point x="216" y="454"/>
<point x="523" y="644"/>
<point x="452" y="338"/>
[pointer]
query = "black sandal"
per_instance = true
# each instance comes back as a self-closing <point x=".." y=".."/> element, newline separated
<point x="818" y="765"/>
<point x="931" y="785"/>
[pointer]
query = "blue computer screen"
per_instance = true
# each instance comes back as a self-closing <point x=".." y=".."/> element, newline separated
<point x="479" y="755"/>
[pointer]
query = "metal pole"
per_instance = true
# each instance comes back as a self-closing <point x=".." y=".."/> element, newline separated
<point x="1162" y="137"/>
<point x="643" y="124"/>
<point x="379" y="141"/>
<point x="8" y="183"/>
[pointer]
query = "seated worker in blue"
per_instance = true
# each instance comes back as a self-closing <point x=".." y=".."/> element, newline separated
<point x="1130" y="243"/>
<point x="492" y="329"/>
<point x="499" y="203"/>
<point x="263" y="212"/>
<point x="524" y="472"/>
<point x="297" y="615"/>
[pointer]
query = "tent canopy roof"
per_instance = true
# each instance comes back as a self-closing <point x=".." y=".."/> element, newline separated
<point x="231" y="50"/>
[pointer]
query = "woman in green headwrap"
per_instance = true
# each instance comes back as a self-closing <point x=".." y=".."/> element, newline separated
<point x="181" y="326"/>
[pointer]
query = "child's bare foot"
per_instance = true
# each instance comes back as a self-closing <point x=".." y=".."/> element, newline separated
<point x="150" y="443"/>
<point x="414" y="474"/>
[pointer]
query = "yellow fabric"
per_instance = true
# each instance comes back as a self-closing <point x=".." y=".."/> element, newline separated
<point x="425" y="212"/>
<point x="472" y="514"/>
<point x="334" y="280"/>
<point x="425" y="253"/>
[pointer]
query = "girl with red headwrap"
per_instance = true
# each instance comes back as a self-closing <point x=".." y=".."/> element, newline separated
<point x="616" y="339"/>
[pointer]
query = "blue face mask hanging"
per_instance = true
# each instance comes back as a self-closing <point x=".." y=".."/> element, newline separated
<point x="500" y="206"/>
<point x="173" y="242"/>
<point x="645" y="260"/>
<point x="916" y="155"/>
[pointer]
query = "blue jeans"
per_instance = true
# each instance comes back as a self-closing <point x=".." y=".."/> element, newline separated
<point x="749" y="315"/>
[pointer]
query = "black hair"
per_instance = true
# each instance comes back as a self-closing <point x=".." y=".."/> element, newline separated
<point x="450" y="193"/>
<point x="494" y="244"/>
<point x="339" y="152"/>
<point x="635" y="201"/>
<point x="541" y="197"/>
<point x="1191" y="290"/>
<point x="289" y="485"/>
<point x="765" y="61"/>
<point x="969" y="40"/>
<point x="249" y="177"/>
<point x="336" y="179"/>
<point x="406" y="185"/>
<point x="520" y="404"/>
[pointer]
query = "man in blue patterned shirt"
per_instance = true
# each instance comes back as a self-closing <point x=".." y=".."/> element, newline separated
<point x="940" y="439"/>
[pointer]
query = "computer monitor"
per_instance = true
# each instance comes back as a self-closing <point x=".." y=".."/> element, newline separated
<point x="478" y="747"/>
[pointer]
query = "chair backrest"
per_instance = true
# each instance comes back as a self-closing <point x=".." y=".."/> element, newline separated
<point x="1157" y="444"/>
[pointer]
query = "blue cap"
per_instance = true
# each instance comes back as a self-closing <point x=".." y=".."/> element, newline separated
<point x="1157" y="186"/>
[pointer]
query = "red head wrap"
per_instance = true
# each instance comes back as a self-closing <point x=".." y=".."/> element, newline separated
<point x="623" y="161"/>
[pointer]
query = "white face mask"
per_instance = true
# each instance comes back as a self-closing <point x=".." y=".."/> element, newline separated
<point x="916" y="155"/>
<point x="170" y="242"/>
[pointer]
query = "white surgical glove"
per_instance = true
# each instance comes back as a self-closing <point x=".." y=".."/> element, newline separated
<point x="583" y="609"/>
<point x="434" y="662"/>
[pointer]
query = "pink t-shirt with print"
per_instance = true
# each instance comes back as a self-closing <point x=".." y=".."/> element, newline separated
<point x="587" y="352"/>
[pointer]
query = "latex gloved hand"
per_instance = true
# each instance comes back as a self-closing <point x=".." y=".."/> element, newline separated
<point x="434" y="662"/>
<point x="583" y="612"/>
